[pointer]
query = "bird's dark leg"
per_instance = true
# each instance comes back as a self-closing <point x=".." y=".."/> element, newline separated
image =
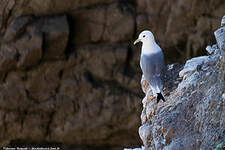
<point x="159" y="97"/>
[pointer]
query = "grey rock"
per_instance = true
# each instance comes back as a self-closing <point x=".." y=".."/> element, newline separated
<point x="220" y="37"/>
<point x="192" y="65"/>
<point x="212" y="49"/>
<point x="145" y="133"/>
<point x="223" y="21"/>
<point x="193" y="115"/>
<point x="49" y="96"/>
<point x="209" y="49"/>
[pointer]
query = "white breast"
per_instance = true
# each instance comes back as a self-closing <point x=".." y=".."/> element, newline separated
<point x="150" y="48"/>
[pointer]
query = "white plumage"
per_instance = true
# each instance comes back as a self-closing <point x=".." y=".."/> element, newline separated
<point x="152" y="63"/>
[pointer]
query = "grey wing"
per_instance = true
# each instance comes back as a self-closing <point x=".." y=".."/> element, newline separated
<point x="147" y="67"/>
<point x="160" y="64"/>
<point x="152" y="68"/>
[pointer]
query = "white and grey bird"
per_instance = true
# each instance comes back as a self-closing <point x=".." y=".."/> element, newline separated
<point x="152" y="63"/>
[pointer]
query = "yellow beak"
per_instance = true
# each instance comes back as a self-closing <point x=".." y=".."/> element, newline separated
<point x="137" y="41"/>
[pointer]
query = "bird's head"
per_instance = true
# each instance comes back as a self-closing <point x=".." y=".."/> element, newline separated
<point x="145" y="36"/>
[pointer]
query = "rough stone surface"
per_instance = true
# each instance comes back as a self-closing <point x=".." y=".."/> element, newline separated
<point x="69" y="72"/>
<point x="56" y="34"/>
<point x="23" y="43"/>
<point x="176" y="24"/>
<point x="29" y="48"/>
<point x="15" y="28"/>
<point x="7" y="58"/>
<point x="107" y="23"/>
<point x="49" y="96"/>
<point x="193" y="116"/>
<point x="181" y="24"/>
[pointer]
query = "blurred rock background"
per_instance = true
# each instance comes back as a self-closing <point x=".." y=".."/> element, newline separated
<point x="69" y="72"/>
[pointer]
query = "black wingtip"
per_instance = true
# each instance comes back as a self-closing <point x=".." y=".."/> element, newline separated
<point x="159" y="97"/>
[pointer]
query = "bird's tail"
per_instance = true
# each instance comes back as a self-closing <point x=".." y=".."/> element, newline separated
<point x="159" y="97"/>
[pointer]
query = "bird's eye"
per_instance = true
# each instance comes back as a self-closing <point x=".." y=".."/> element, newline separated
<point x="143" y="36"/>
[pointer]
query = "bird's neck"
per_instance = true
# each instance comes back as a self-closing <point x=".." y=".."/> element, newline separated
<point x="149" y="48"/>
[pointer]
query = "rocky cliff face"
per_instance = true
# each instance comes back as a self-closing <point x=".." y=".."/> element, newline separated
<point x="193" y="116"/>
<point x="48" y="95"/>
<point x="68" y="72"/>
<point x="178" y="25"/>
